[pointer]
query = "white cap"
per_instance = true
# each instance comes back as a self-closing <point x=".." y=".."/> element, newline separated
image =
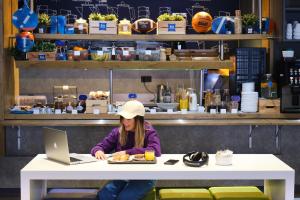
<point x="132" y="109"/>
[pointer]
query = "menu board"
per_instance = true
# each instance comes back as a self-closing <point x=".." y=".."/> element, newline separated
<point x="134" y="9"/>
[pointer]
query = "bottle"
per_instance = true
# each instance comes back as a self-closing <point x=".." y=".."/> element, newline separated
<point x="207" y="100"/>
<point x="268" y="87"/>
<point x="226" y="99"/>
<point x="69" y="108"/>
<point x="217" y="98"/>
<point x="238" y="22"/>
<point x="167" y="96"/>
<point x="193" y="100"/>
<point x="184" y="101"/>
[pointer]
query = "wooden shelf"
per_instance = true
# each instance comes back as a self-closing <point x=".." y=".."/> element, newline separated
<point x="292" y="9"/>
<point x="188" y="37"/>
<point x="157" y="65"/>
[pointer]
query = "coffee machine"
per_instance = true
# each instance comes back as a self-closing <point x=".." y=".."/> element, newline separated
<point x="289" y="79"/>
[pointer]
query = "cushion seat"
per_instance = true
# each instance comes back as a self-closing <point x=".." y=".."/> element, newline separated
<point x="237" y="193"/>
<point x="184" y="194"/>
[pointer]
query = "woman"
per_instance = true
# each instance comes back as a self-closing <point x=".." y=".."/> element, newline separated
<point x="134" y="136"/>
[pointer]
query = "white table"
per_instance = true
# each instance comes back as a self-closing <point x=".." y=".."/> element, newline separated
<point x="278" y="177"/>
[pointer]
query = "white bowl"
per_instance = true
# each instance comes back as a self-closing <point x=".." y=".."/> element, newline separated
<point x="288" y="54"/>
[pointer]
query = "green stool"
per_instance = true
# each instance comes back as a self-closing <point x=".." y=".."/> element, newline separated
<point x="184" y="194"/>
<point x="151" y="195"/>
<point x="237" y="193"/>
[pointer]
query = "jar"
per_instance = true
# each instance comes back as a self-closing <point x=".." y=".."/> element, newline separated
<point x="81" y="26"/>
<point x="268" y="87"/>
<point x="124" y="27"/>
<point x="163" y="55"/>
<point x="207" y="100"/>
<point x="217" y="98"/>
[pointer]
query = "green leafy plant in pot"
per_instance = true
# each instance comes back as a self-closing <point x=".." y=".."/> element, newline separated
<point x="249" y="22"/>
<point x="44" y="22"/>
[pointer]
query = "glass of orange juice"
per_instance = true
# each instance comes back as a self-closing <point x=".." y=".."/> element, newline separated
<point x="149" y="155"/>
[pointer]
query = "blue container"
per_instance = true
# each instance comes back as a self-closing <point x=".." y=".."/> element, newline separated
<point x="69" y="29"/>
<point x="61" y="24"/>
<point x="53" y="25"/>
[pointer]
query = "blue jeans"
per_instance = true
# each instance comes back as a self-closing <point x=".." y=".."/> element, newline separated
<point x="125" y="190"/>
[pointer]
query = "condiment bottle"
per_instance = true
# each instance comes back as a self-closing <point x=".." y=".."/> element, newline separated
<point x="237" y="22"/>
<point x="193" y="100"/>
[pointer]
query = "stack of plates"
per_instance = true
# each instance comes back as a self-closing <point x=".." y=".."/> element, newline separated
<point x="248" y="87"/>
<point x="249" y="101"/>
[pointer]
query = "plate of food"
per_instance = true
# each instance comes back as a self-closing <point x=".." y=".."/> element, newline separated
<point x="126" y="158"/>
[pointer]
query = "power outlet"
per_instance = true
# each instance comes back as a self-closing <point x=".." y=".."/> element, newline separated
<point x="146" y="79"/>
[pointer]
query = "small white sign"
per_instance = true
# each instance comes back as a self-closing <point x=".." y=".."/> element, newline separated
<point x="80" y="27"/>
<point x="100" y="53"/>
<point x="125" y="28"/>
<point x="234" y="111"/>
<point x="36" y="111"/>
<point x="213" y="111"/>
<point x="170" y="110"/>
<point x="201" y="109"/>
<point x="96" y="111"/>
<point x="223" y="111"/>
<point x="183" y="111"/>
<point x="148" y="52"/>
<point x="57" y="111"/>
<point x="152" y="111"/>
<point x="76" y="53"/>
<point x="74" y="112"/>
<point x="125" y="53"/>
<point x="41" y="30"/>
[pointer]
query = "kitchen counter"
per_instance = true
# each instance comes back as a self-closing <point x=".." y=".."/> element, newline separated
<point x="161" y="119"/>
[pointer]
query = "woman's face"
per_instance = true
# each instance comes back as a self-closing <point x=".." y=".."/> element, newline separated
<point x="129" y="124"/>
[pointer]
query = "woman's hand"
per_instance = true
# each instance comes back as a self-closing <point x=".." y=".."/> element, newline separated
<point x="119" y="153"/>
<point x="100" y="155"/>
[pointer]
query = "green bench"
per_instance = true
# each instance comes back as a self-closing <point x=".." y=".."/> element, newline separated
<point x="184" y="194"/>
<point x="237" y="193"/>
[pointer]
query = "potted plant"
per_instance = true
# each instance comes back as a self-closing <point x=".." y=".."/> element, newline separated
<point x="249" y="21"/>
<point x="171" y="24"/>
<point x="102" y="24"/>
<point x="42" y="51"/>
<point x="44" y="22"/>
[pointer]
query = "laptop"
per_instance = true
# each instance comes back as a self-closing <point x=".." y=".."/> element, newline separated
<point x="57" y="149"/>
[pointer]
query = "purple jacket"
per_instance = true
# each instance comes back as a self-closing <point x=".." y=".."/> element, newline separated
<point x="111" y="142"/>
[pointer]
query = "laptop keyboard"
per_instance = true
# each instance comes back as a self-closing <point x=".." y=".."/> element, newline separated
<point x="72" y="159"/>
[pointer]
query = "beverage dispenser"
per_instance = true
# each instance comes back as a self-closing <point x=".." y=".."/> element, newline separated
<point x="290" y="86"/>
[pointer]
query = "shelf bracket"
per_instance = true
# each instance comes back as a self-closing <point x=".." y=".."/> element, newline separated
<point x="111" y="86"/>
<point x="251" y="129"/>
<point x="221" y="49"/>
<point x="278" y="139"/>
<point x="19" y="138"/>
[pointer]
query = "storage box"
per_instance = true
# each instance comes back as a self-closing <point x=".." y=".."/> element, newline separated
<point x="101" y="105"/>
<point x="103" y="27"/>
<point x="269" y="105"/>
<point x="40" y="56"/>
<point x="171" y="27"/>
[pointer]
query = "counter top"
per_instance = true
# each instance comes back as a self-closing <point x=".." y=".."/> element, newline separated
<point x="160" y="119"/>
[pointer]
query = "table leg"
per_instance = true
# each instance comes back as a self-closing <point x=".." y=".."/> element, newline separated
<point x="279" y="189"/>
<point x="33" y="189"/>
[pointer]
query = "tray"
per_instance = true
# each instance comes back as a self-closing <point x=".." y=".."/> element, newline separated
<point x="131" y="161"/>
